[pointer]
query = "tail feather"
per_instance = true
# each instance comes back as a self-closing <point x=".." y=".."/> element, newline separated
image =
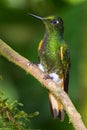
<point x="61" y="115"/>
<point x="56" y="107"/>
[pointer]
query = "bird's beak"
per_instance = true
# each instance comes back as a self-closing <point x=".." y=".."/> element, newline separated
<point x="35" y="16"/>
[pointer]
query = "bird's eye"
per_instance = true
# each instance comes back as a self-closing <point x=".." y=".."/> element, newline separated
<point x="55" y="21"/>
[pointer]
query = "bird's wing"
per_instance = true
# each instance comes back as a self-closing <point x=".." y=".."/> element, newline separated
<point x="65" y="62"/>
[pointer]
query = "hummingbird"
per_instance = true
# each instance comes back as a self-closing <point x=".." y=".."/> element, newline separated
<point x="54" y="59"/>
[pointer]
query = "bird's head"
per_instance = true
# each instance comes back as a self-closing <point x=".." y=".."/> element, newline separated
<point x="52" y="23"/>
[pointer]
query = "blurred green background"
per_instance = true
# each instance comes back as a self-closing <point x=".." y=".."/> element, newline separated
<point x="23" y="33"/>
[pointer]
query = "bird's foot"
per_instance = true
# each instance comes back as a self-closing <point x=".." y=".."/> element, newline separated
<point x="55" y="77"/>
<point x="31" y="63"/>
<point x="47" y="77"/>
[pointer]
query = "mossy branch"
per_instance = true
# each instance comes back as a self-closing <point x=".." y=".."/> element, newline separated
<point x="12" y="118"/>
<point x="32" y="69"/>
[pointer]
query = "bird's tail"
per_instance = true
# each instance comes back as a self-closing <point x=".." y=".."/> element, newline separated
<point x="56" y="107"/>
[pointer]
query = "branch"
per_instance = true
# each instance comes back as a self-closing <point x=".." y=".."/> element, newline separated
<point x="32" y="69"/>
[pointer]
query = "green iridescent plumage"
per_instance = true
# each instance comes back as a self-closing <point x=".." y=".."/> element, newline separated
<point x="55" y="58"/>
<point x="54" y="52"/>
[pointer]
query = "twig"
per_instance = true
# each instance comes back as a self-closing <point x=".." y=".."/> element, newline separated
<point x="32" y="69"/>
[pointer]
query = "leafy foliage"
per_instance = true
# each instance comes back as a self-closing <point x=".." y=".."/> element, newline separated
<point x="13" y="118"/>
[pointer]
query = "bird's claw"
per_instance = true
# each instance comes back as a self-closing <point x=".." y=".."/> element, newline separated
<point x="31" y="63"/>
<point x="47" y="77"/>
